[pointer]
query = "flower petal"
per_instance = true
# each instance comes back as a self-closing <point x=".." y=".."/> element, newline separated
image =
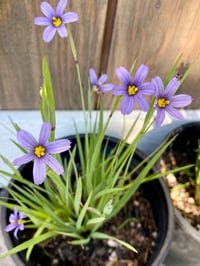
<point x="21" y="226"/>
<point x="58" y="146"/>
<point x="10" y="227"/>
<point x="61" y="7"/>
<point x="93" y="76"/>
<point x="123" y="75"/>
<point x="44" y="133"/>
<point x="15" y="213"/>
<point x="180" y="100"/>
<point x="142" y="102"/>
<point x="16" y="231"/>
<point x="127" y="105"/>
<point x="106" y="87"/>
<point x="119" y="90"/>
<point x="102" y="79"/>
<point x="172" y="87"/>
<point x="69" y="17"/>
<point x="49" y="33"/>
<point x="174" y="113"/>
<point x="147" y="88"/>
<point x="13" y="217"/>
<point x="42" y="21"/>
<point x="47" y="10"/>
<point x="24" y="159"/>
<point x="54" y="164"/>
<point x="62" y="31"/>
<point x="160" y="116"/>
<point x="159" y="86"/>
<point x="39" y="171"/>
<point x="141" y="74"/>
<point x="22" y="216"/>
<point x="26" y="140"/>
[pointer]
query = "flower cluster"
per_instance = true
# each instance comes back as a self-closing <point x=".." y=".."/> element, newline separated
<point x="69" y="198"/>
<point x="134" y="90"/>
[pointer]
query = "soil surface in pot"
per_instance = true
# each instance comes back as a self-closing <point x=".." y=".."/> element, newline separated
<point x="139" y="229"/>
<point x="182" y="185"/>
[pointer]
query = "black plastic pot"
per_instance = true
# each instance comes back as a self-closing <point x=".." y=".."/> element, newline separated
<point x="155" y="191"/>
<point x="186" y="142"/>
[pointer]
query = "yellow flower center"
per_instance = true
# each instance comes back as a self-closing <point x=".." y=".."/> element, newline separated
<point x="96" y="88"/>
<point x="162" y="102"/>
<point x="39" y="151"/>
<point x="19" y="221"/>
<point x="132" y="90"/>
<point x="56" y="21"/>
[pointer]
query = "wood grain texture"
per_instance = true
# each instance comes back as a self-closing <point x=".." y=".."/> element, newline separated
<point x="22" y="48"/>
<point x="156" y="32"/>
<point x="109" y="33"/>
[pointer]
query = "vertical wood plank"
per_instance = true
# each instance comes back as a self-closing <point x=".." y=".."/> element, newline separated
<point x="22" y="48"/>
<point x="156" y="32"/>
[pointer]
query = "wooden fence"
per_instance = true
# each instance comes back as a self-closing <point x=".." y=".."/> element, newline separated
<point x="109" y="33"/>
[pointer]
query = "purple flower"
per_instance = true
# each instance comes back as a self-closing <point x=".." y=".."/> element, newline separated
<point x="55" y="20"/>
<point x="133" y="89"/>
<point x="15" y="222"/>
<point x="98" y="83"/>
<point x="40" y="151"/>
<point x="167" y="101"/>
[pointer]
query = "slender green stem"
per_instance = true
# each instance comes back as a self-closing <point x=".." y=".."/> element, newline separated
<point x="113" y="109"/>
<point x="74" y="53"/>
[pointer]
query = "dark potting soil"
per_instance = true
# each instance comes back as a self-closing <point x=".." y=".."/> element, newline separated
<point x="138" y="229"/>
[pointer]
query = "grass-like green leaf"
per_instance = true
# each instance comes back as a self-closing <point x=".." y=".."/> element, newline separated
<point x="83" y="211"/>
<point x="78" y="196"/>
<point x="100" y="235"/>
<point x="97" y="220"/>
<point x="28" y="243"/>
<point x="47" y="98"/>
